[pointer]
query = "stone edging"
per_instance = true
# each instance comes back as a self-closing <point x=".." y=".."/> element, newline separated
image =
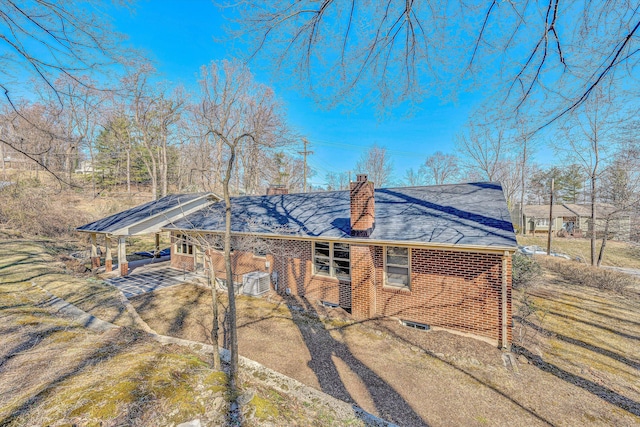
<point x="276" y="379"/>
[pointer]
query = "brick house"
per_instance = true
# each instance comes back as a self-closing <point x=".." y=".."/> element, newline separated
<point x="433" y="256"/>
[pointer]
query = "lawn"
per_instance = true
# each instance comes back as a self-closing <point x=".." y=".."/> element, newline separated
<point x="57" y="371"/>
<point x="617" y="254"/>
<point x="578" y="365"/>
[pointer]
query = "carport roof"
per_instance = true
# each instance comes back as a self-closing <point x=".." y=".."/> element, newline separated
<point x="164" y="211"/>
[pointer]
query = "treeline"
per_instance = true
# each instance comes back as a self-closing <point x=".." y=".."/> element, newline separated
<point x="142" y="133"/>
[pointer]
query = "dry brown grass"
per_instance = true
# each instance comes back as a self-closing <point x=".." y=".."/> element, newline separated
<point x="54" y="371"/>
<point x="586" y="336"/>
<point x="617" y="254"/>
<point x="38" y="210"/>
<point x="413" y="377"/>
<point x="585" y="275"/>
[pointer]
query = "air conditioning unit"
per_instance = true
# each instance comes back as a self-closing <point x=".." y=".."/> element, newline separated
<point x="255" y="283"/>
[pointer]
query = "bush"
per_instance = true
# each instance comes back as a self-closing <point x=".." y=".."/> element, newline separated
<point x="33" y="209"/>
<point x="525" y="271"/>
<point x="593" y="277"/>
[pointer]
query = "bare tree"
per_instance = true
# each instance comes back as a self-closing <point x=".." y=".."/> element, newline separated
<point x="377" y="165"/>
<point x="587" y="142"/>
<point x="483" y="148"/>
<point x="54" y="43"/>
<point x="154" y="112"/>
<point x="442" y="168"/>
<point x="400" y="50"/>
<point x="337" y="181"/>
<point x="241" y="114"/>
<point x="414" y="178"/>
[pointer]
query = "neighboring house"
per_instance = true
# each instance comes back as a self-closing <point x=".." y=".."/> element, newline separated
<point x="86" y="167"/>
<point x="573" y="219"/>
<point x="437" y="256"/>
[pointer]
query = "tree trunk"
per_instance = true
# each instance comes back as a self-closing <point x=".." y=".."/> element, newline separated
<point x="214" y="309"/>
<point x="522" y="185"/>
<point x="604" y="241"/>
<point x="163" y="168"/>
<point x="233" y="333"/>
<point x="4" y="171"/>
<point x="129" y="172"/>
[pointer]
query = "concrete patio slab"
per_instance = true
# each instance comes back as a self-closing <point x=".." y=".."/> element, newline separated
<point x="150" y="278"/>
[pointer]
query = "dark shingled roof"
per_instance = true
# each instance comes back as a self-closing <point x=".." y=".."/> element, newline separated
<point x="139" y="213"/>
<point x="472" y="214"/>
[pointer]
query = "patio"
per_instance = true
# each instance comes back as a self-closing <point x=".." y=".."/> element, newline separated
<point x="150" y="276"/>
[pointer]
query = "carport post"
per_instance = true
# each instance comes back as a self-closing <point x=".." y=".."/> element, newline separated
<point x="157" y="252"/>
<point x="95" y="259"/>
<point x="123" y="265"/>
<point x="108" y="260"/>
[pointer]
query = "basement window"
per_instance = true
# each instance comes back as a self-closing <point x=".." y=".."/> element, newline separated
<point x="415" y="325"/>
<point x="329" y="304"/>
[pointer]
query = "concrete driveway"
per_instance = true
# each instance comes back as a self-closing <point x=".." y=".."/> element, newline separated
<point x="149" y="278"/>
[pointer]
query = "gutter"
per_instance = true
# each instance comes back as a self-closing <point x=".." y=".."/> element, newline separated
<point x="356" y="241"/>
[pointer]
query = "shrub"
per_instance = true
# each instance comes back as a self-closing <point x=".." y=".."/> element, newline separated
<point x="593" y="277"/>
<point x="525" y="271"/>
<point x="34" y="209"/>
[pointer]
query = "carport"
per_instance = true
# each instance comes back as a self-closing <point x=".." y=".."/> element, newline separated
<point x="148" y="218"/>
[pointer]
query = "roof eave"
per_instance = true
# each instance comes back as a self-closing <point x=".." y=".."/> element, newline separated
<point x="427" y="245"/>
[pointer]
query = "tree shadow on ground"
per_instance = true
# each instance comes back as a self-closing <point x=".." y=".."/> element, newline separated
<point x="470" y="374"/>
<point x="602" y="392"/>
<point x="323" y="347"/>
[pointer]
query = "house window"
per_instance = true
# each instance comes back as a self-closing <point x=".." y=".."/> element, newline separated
<point x="183" y="245"/>
<point x="260" y="248"/>
<point x="332" y="259"/>
<point x="322" y="258"/>
<point x="542" y="222"/>
<point x="341" y="261"/>
<point x="397" y="266"/>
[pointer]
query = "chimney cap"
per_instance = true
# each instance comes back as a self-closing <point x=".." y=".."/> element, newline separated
<point x="361" y="177"/>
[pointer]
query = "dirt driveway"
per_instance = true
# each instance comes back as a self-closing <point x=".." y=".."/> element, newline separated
<point x="406" y="376"/>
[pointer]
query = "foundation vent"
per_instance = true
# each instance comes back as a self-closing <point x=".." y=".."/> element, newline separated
<point x="415" y="325"/>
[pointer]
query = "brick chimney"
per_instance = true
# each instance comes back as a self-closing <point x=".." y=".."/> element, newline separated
<point x="362" y="207"/>
<point x="275" y="189"/>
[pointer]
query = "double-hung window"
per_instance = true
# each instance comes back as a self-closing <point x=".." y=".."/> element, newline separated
<point x="183" y="245"/>
<point x="332" y="259"/>
<point x="397" y="267"/>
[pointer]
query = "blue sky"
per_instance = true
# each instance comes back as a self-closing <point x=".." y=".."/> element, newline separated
<point x="181" y="36"/>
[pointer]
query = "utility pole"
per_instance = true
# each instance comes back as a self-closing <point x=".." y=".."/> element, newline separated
<point x="304" y="153"/>
<point x="550" y="220"/>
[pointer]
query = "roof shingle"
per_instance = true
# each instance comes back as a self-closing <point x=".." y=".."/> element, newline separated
<point x="473" y="214"/>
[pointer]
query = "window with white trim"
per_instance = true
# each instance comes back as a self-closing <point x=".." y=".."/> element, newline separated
<point x="397" y="267"/>
<point x="260" y="248"/>
<point x="332" y="259"/>
<point x="542" y="222"/>
<point x="183" y="245"/>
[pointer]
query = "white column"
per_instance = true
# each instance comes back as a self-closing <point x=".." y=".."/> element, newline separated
<point x="123" y="265"/>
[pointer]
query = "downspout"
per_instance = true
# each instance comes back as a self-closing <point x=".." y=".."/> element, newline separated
<point x="505" y="344"/>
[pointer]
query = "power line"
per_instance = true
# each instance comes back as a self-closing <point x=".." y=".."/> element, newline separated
<point x="304" y="153"/>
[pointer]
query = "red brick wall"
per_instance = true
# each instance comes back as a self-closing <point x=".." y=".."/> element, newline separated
<point x="362" y="281"/>
<point x="181" y="261"/>
<point x="293" y="262"/>
<point x="455" y="290"/>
